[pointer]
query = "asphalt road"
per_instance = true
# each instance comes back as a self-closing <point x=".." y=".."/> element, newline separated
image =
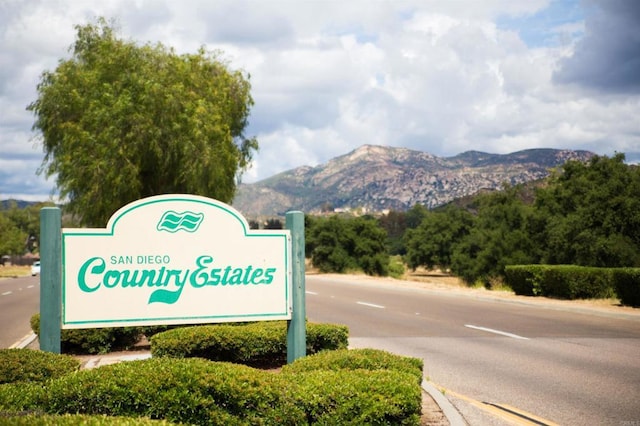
<point x="19" y="300"/>
<point x="549" y="363"/>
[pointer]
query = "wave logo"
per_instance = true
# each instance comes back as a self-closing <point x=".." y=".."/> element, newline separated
<point x="172" y="221"/>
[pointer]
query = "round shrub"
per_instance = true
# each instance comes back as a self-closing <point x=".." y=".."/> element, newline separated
<point x="192" y="391"/>
<point x="359" y="397"/>
<point x="93" y="340"/>
<point x="357" y="359"/>
<point x="27" y="365"/>
<point x="257" y="344"/>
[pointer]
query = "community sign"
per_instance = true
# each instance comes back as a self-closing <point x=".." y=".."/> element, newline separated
<point x="174" y="259"/>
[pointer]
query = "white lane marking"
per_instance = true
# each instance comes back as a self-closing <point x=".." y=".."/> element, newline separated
<point x="6" y="293"/>
<point x="311" y="292"/>
<point x="371" y="305"/>
<point x="491" y="330"/>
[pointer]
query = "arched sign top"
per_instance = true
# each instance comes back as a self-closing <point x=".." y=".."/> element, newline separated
<point x="174" y="259"/>
<point x="182" y="220"/>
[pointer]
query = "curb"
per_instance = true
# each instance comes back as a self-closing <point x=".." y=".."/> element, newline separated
<point x="450" y="412"/>
<point x="26" y="341"/>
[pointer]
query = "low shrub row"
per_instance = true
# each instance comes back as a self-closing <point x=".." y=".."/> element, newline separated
<point x="627" y="284"/>
<point x="256" y="344"/>
<point x="312" y="390"/>
<point x="94" y="340"/>
<point x="31" y="419"/>
<point x="22" y="365"/>
<point x="575" y="282"/>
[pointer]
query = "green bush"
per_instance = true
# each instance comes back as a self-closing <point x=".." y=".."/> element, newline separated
<point x="359" y="397"/>
<point x="261" y="343"/>
<point x="357" y="359"/>
<point x="27" y="419"/>
<point x="26" y="365"/>
<point x="93" y="340"/>
<point x="627" y="285"/>
<point x="193" y="391"/>
<point x="200" y="392"/>
<point x="396" y="267"/>
<point x="561" y="281"/>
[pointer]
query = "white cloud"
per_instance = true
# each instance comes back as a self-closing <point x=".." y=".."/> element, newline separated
<point x="328" y="76"/>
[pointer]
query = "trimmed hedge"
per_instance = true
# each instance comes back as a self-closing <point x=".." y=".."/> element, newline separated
<point x="24" y="419"/>
<point x="359" y="397"/>
<point x="93" y="340"/>
<point x="257" y="344"/>
<point x="200" y="392"/>
<point x="627" y="285"/>
<point x="569" y="281"/>
<point x="26" y="365"/>
<point x="357" y="359"/>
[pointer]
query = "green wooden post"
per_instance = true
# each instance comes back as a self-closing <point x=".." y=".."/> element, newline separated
<point x="50" y="279"/>
<point x="297" y="327"/>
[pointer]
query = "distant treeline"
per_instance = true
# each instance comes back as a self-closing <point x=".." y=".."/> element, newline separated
<point x="585" y="214"/>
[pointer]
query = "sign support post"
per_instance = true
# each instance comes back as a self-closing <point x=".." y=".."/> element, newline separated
<point x="296" y="327"/>
<point x="50" y="279"/>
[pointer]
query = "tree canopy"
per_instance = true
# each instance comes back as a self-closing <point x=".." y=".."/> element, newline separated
<point x="586" y="214"/>
<point x="120" y="121"/>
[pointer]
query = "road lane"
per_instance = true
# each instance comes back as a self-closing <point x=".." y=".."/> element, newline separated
<point x="19" y="300"/>
<point x="573" y="367"/>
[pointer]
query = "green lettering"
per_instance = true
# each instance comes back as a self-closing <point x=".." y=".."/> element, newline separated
<point x="96" y="269"/>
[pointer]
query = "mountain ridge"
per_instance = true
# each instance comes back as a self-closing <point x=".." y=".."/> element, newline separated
<point x="379" y="178"/>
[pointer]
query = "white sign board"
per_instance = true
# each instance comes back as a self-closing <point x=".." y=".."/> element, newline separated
<point x="174" y="259"/>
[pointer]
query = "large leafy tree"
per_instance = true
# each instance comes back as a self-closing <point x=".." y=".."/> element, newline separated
<point x="590" y="214"/>
<point x="431" y="244"/>
<point x="122" y="121"/>
<point x="338" y="244"/>
<point x="500" y="237"/>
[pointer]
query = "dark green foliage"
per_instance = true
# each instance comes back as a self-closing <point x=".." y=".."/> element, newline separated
<point x="431" y="243"/>
<point x="93" y="340"/>
<point x="273" y="224"/>
<point x="585" y="214"/>
<point x="20" y="228"/>
<point x="200" y="392"/>
<point x="627" y="285"/>
<point x="28" y="419"/>
<point x="359" y="397"/>
<point x="394" y="224"/>
<point x="498" y="238"/>
<point x="258" y="344"/>
<point x="590" y="214"/>
<point x="192" y="391"/>
<point x="357" y="359"/>
<point x="561" y="281"/>
<point x="349" y="387"/>
<point x="337" y="244"/>
<point x="26" y="365"/>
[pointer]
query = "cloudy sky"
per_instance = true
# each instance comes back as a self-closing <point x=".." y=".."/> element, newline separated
<point x="329" y="76"/>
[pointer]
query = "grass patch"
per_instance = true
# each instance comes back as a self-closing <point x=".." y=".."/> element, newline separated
<point x="14" y="271"/>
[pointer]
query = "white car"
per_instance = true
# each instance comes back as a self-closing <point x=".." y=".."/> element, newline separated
<point x="35" y="268"/>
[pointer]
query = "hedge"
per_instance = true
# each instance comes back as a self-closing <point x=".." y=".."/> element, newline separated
<point x="257" y="344"/>
<point x="357" y="359"/>
<point x="627" y="285"/>
<point x="359" y="397"/>
<point x="30" y="419"/>
<point x="27" y="365"/>
<point x="575" y="282"/>
<point x="93" y="340"/>
<point x="200" y="392"/>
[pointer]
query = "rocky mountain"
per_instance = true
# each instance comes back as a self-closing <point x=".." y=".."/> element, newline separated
<point x="378" y="178"/>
